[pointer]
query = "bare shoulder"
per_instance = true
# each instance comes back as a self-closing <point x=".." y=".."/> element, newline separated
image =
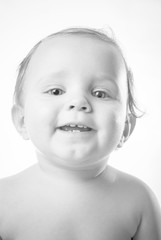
<point x="129" y="182"/>
<point x="137" y="188"/>
<point x="9" y="186"/>
<point x="12" y="192"/>
<point x="145" y="202"/>
<point x="6" y="196"/>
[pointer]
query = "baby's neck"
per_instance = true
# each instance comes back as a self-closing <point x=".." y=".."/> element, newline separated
<point x="71" y="174"/>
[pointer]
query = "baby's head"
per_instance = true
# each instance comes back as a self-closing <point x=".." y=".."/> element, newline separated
<point x="74" y="96"/>
<point x="91" y="33"/>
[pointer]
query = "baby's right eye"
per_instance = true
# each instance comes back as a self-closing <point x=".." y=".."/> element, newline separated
<point x="55" y="91"/>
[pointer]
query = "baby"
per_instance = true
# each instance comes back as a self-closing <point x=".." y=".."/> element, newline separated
<point x="74" y="101"/>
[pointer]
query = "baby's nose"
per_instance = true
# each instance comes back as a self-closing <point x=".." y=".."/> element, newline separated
<point x="79" y="104"/>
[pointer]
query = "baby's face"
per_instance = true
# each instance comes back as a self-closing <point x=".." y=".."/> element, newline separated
<point x="75" y="99"/>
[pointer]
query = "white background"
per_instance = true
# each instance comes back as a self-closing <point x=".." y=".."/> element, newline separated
<point x="137" y="26"/>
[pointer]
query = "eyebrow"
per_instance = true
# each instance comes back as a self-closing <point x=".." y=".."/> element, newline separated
<point x="106" y="78"/>
<point x="54" y="75"/>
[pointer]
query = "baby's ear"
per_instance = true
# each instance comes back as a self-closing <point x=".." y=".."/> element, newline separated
<point x="129" y="126"/>
<point x="18" y="120"/>
<point x="128" y="129"/>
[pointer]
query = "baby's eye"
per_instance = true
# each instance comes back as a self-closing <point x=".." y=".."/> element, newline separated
<point x="100" y="94"/>
<point x="55" y="91"/>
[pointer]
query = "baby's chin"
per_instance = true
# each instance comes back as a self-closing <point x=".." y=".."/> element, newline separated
<point x="74" y="159"/>
<point x="79" y="160"/>
<point x="75" y="164"/>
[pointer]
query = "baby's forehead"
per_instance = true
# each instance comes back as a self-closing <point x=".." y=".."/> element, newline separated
<point x="79" y="41"/>
<point x="78" y="47"/>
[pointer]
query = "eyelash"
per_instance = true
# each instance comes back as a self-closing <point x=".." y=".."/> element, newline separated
<point x="96" y="93"/>
<point x="55" y="89"/>
<point x="104" y="94"/>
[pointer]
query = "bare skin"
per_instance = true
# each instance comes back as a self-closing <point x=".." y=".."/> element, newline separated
<point x="37" y="205"/>
<point x="75" y="113"/>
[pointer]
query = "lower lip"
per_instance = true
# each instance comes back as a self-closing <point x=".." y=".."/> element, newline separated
<point x="77" y="132"/>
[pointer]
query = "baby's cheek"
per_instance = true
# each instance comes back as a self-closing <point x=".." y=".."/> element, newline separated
<point x="119" y="122"/>
<point x="35" y="119"/>
<point x="114" y="130"/>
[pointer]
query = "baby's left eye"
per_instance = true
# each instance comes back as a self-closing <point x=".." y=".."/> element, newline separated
<point x="100" y="94"/>
<point x="55" y="91"/>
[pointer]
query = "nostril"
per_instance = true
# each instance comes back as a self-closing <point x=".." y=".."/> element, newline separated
<point x="81" y="108"/>
<point x="71" y="107"/>
<point x="80" y="105"/>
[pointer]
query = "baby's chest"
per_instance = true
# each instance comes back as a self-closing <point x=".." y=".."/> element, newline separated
<point x="69" y="220"/>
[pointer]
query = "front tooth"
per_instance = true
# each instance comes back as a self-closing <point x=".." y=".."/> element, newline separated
<point x="72" y="125"/>
<point x="80" y="126"/>
<point x="75" y="125"/>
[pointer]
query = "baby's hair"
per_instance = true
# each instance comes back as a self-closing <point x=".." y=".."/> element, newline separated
<point x="94" y="33"/>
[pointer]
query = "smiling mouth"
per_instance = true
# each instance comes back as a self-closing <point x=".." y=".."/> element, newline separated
<point x="75" y="128"/>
